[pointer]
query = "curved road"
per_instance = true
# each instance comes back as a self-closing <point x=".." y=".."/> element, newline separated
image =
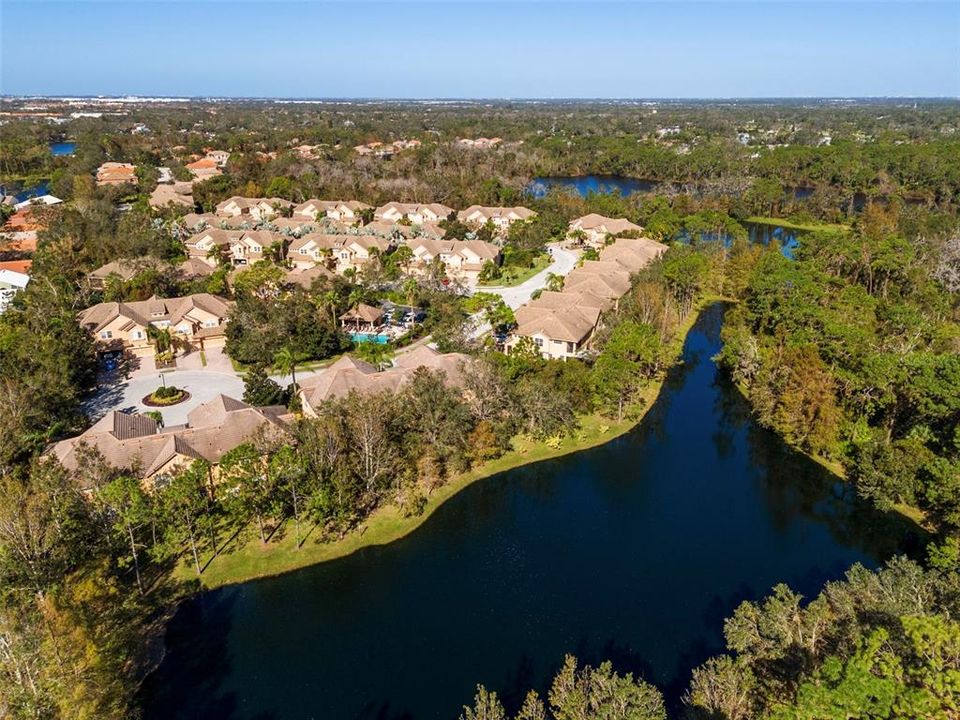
<point x="514" y="297"/>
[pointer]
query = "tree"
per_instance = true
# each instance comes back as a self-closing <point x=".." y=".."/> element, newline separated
<point x="684" y="271"/>
<point x="286" y="363"/>
<point x="185" y="502"/>
<point x="248" y="485"/>
<point x="260" y="390"/>
<point x="129" y="506"/>
<point x="630" y="356"/>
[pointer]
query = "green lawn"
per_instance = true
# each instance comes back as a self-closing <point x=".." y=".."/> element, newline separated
<point x="791" y="225"/>
<point x="516" y="275"/>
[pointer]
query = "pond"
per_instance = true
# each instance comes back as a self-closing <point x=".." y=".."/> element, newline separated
<point x="634" y="551"/>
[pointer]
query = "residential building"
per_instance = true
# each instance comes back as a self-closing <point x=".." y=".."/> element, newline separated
<point x="305" y="277"/>
<point x="204" y="168"/>
<point x="199" y="320"/>
<point x="349" y="375"/>
<point x="480" y="143"/>
<point x="131" y="441"/>
<point x="177" y="193"/>
<point x="562" y="324"/>
<point x="240" y="247"/>
<point x="387" y="228"/>
<point x="461" y="258"/>
<point x="416" y="213"/>
<point x="558" y="333"/>
<point x="126" y="269"/>
<point x="11" y="282"/>
<point x="501" y="217"/>
<point x="257" y="208"/>
<point x="116" y="173"/>
<point x="343" y="211"/>
<point x="633" y="254"/>
<point x="596" y="228"/>
<point x="39" y="200"/>
<point x="337" y="252"/>
<point x="219" y="156"/>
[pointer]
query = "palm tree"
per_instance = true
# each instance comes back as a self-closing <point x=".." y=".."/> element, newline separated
<point x="286" y="363"/>
<point x="411" y="289"/>
<point x="329" y="300"/>
<point x="554" y="282"/>
<point x="162" y="339"/>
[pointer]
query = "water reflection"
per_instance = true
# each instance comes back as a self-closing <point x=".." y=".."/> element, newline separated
<point x="633" y="551"/>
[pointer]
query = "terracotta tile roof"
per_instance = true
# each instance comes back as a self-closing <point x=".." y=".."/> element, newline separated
<point x="351" y="375"/>
<point x="213" y="429"/>
<point x="20" y="266"/>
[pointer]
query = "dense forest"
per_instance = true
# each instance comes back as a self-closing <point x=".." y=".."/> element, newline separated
<point x="850" y="350"/>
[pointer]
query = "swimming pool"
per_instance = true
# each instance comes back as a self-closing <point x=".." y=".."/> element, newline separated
<point x="367" y="337"/>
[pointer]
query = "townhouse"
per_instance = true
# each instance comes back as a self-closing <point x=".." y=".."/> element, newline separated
<point x="337" y="252"/>
<point x="350" y="375"/>
<point x="135" y="442"/>
<point x="415" y="213"/>
<point x="197" y="320"/>
<point x="562" y="324"/>
<point x="342" y="211"/>
<point x="501" y="217"/>
<point x="126" y="269"/>
<point x="596" y="228"/>
<point x="461" y="258"/>
<point x="260" y="209"/>
<point x="240" y="247"/>
<point x="386" y="228"/>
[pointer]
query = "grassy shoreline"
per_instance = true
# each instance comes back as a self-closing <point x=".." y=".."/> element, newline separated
<point x="790" y="225"/>
<point x="253" y="560"/>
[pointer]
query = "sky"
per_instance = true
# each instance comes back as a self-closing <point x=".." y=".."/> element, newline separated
<point x="458" y="49"/>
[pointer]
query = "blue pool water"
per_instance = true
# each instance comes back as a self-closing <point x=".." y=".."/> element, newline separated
<point x="62" y="148"/>
<point x="367" y="337"/>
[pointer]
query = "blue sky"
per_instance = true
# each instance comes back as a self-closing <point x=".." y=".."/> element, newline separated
<point x="464" y="49"/>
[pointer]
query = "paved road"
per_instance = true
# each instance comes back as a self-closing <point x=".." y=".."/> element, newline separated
<point x="203" y="386"/>
<point x="563" y="262"/>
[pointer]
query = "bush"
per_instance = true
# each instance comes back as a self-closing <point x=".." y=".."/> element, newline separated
<point x="166" y="392"/>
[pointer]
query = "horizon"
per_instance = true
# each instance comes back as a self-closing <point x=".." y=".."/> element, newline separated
<point x="409" y="50"/>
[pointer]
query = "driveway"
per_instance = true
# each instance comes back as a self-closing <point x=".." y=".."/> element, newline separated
<point x="563" y="262"/>
<point x="203" y="386"/>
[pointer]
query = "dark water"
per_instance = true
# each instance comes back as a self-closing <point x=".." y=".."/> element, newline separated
<point x="634" y="551"/>
<point x="62" y="148"/>
<point x="583" y="185"/>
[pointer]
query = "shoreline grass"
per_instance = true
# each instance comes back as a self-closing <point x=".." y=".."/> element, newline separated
<point x="253" y="560"/>
<point x="791" y="225"/>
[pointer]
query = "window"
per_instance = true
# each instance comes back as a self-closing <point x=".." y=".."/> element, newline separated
<point x="303" y="251"/>
<point x="570" y="347"/>
<point x="538" y="341"/>
<point x="137" y="335"/>
<point x="106" y="334"/>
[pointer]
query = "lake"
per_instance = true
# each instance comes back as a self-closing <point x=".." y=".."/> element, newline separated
<point x="583" y="185"/>
<point x="634" y="551"/>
